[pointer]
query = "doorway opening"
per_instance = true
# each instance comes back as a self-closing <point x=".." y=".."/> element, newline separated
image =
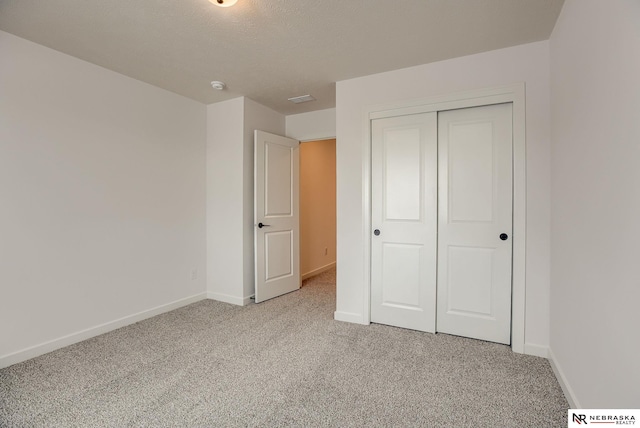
<point x="317" y="207"/>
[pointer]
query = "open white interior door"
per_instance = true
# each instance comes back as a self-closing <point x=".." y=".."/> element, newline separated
<point x="277" y="215"/>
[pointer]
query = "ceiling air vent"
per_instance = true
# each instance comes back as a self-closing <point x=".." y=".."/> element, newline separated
<point x="302" y="99"/>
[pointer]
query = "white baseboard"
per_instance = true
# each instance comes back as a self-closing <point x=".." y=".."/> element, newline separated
<point x="248" y="299"/>
<point x="227" y="298"/>
<point x="536" y="350"/>
<point x="564" y="384"/>
<point x="318" y="271"/>
<point x="349" y="317"/>
<point x="70" y="339"/>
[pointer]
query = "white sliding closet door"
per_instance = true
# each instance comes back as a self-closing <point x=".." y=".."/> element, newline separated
<point x="403" y="249"/>
<point x="475" y="222"/>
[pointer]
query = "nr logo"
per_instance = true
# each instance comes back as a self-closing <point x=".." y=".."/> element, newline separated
<point x="580" y="419"/>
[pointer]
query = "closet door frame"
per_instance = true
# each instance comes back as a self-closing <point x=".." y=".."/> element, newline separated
<point x="514" y="94"/>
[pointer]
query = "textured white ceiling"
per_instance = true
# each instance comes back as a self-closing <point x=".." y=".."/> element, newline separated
<point x="270" y="50"/>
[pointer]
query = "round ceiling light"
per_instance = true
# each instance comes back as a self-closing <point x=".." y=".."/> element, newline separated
<point x="224" y="3"/>
<point x="218" y="85"/>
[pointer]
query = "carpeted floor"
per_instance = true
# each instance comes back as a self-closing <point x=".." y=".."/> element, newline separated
<point x="284" y="362"/>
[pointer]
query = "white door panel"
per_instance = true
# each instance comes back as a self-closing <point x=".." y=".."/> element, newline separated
<point x="470" y="178"/>
<point x="277" y="237"/>
<point x="478" y="269"/>
<point x="404" y="162"/>
<point x="475" y="208"/>
<point x="279" y="254"/>
<point x="277" y="175"/>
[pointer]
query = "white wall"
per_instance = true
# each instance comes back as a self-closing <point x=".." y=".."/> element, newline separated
<point x="102" y="199"/>
<point x="230" y="258"/>
<point x="314" y="125"/>
<point x="526" y="63"/>
<point x="595" y="281"/>
<point x="225" y="202"/>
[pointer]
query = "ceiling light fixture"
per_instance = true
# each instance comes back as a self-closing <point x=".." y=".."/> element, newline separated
<point x="224" y="3"/>
<point x="217" y="85"/>
<point x="301" y="99"/>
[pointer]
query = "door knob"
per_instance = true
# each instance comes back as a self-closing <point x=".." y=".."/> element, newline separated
<point x="504" y="236"/>
<point x="376" y="232"/>
<point x="261" y="225"/>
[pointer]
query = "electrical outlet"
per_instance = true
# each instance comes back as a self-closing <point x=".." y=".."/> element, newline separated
<point x="194" y="274"/>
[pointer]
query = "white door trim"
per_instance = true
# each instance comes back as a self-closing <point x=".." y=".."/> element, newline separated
<point x="515" y="94"/>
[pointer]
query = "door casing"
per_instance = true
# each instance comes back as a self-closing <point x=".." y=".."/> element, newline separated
<point x="514" y="94"/>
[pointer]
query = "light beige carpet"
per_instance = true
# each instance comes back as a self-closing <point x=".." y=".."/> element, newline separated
<point x="284" y="362"/>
